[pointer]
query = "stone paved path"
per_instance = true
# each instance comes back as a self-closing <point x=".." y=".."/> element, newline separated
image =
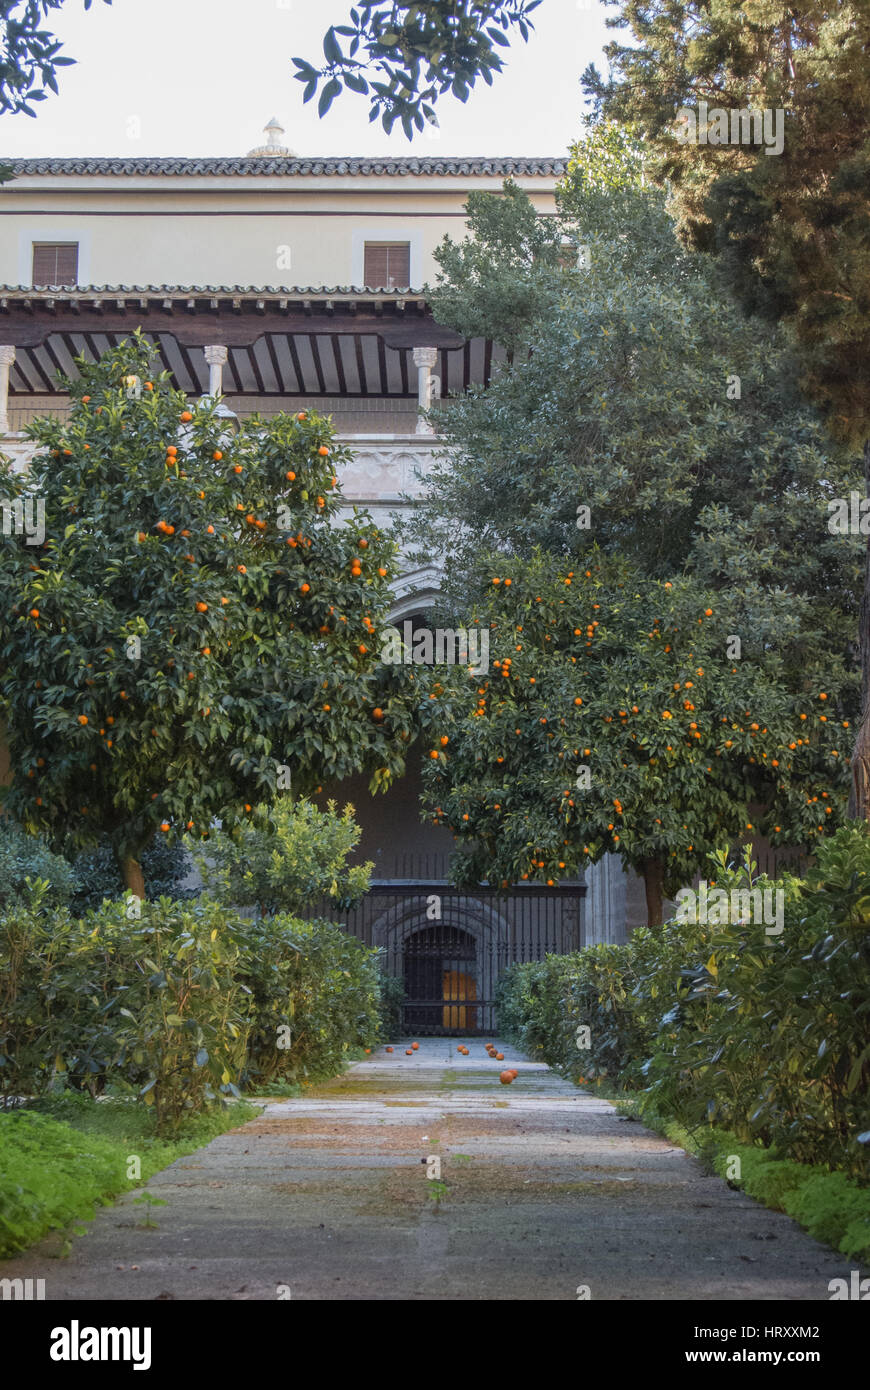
<point x="546" y="1188"/>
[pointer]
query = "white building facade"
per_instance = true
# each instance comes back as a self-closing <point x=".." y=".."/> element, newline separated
<point x="282" y="283"/>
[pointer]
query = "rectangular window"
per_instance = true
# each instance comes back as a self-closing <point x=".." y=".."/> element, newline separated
<point x="387" y="265"/>
<point x="55" y="263"/>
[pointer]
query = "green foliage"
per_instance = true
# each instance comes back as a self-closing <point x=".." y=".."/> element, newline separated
<point x="790" y="228"/>
<point x="287" y="856"/>
<point x="390" y="1001"/>
<point x="828" y="1204"/>
<point x="768" y="1180"/>
<point x="630" y="679"/>
<point x="198" y="627"/>
<point x="26" y="860"/>
<point x="517" y="267"/>
<point x="609" y="159"/>
<point x="30" y="56"/>
<point x="50" y="1176"/>
<point x="617" y="399"/>
<point x="70" y="1154"/>
<point x="763" y="1035"/>
<point x="181" y="1003"/>
<point x="150" y="1000"/>
<point x="97" y="876"/>
<point x="855" y="1240"/>
<point x="495" y="282"/>
<point x="413" y="54"/>
<point x="312" y="995"/>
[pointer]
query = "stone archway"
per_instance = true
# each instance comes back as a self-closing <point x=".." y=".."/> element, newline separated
<point x="454" y="958"/>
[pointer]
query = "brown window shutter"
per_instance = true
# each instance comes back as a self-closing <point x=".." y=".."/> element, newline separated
<point x="56" y="263"/>
<point x="387" y="265"/>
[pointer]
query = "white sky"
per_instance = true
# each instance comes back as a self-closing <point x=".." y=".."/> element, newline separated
<point x="202" y="77"/>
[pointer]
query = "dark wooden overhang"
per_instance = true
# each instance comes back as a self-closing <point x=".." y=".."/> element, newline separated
<point x="280" y="342"/>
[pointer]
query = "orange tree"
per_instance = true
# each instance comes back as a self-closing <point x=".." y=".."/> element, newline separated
<point x="197" y="631"/>
<point x="615" y="718"/>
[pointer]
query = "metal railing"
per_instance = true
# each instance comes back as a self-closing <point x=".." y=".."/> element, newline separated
<point x="450" y="947"/>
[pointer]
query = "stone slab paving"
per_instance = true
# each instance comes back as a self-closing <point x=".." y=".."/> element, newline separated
<point x="545" y="1189"/>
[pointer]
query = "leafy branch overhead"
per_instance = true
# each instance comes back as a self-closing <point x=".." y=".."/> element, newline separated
<point x="404" y="57"/>
<point x="29" y="54"/>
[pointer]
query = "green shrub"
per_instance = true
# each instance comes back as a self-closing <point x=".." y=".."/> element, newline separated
<point x="43" y="1010"/>
<point x="287" y="857"/>
<point x="184" y="1003"/>
<point x="762" y="1035"/>
<point x="26" y="857"/>
<point x="187" y="1001"/>
<point x="313" y="994"/>
<point x="152" y="1001"/>
<point x="172" y="1020"/>
<point x="391" y="997"/>
<point x="97" y="876"/>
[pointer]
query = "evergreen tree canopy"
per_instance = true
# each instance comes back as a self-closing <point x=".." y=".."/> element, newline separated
<point x="638" y="391"/>
<point x="792" y="229"/>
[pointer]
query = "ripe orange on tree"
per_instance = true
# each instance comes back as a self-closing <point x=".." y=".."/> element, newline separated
<point x="654" y="759"/>
<point x="240" y="576"/>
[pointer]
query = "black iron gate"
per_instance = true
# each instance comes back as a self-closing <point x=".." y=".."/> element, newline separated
<point x="449" y="948"/>
<point x="441" y="976"/>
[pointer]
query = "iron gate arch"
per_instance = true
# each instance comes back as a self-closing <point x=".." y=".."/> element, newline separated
<point x="428" y="931"/>
<point x="440" y="973"/>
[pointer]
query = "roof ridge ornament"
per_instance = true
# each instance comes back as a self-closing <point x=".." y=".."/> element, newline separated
<point x="274" y="147"/>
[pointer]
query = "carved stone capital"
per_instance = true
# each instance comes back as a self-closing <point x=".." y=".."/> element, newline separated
<point x="425" y="357"/>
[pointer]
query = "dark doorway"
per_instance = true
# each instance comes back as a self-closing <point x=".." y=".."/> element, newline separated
<point x="441" y="986"/>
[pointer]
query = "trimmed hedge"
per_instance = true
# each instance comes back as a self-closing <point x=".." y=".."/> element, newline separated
<point x="313" y="993"/>
<point x="763" y="1035"/>
<point x="185" y="1003"/>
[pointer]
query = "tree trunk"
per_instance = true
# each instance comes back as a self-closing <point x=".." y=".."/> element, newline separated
<point x="653" y="880"/>
<point x="859" y="802"/>
<point x="131" y="873"/>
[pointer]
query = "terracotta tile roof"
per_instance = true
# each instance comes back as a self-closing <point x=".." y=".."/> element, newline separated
<point x="398" y="166"/>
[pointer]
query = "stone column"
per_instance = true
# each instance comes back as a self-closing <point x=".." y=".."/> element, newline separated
<point x="7" y="357"/>
<point x="604" y="904"/>
<point x="215" y="356"/>
<point x="424" y="360"/>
